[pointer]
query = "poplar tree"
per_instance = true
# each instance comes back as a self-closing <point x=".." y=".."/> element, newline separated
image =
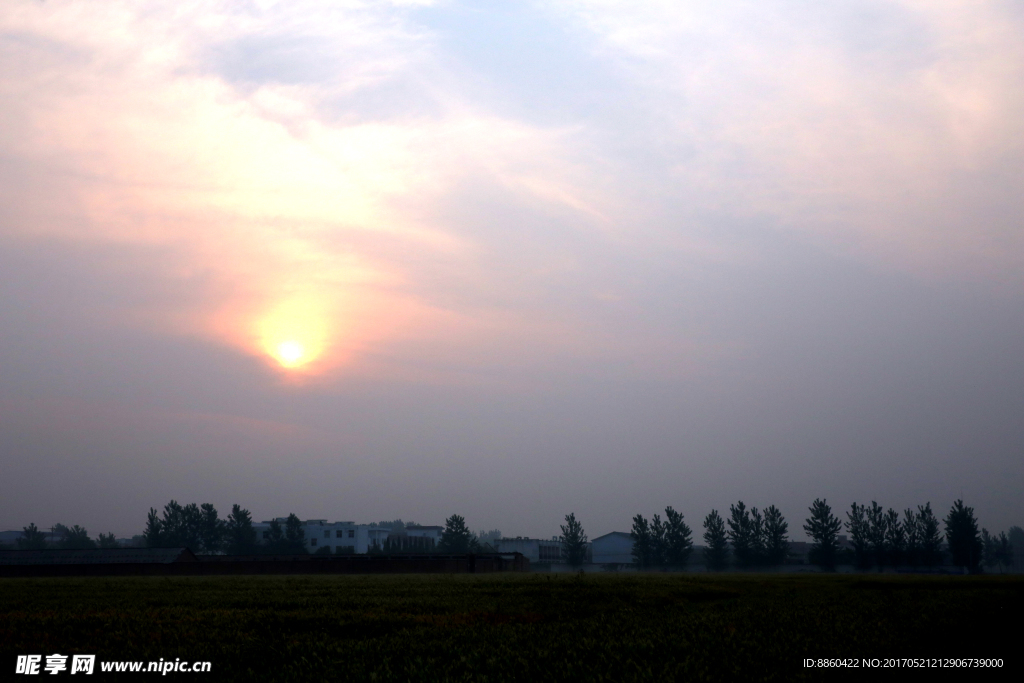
<point x="574" y="541"/>
<point x="857" y="526"/>
<point x="31" y="538"/>
<point x="641" y="535"/>
<point x="931" y="540"/>
<point x="876" y="534"/>
<point x="776" y="544"/>
<point x="239" y="534"/>
<point x="740" y="533"/>
<point x="716" y="549"/>
<point x="895" y="538"/>
<point x="678" y="544"/>
<point x="962" y="537"/>
<point x="154" y="533"/>
<point x="823" y="528"/>
<point x="294" y="535"/>
<point x="211" y="529"/>
<point x="912" y="536"/>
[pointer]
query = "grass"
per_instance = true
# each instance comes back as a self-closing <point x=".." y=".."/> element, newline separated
<point x="531" y="627"/>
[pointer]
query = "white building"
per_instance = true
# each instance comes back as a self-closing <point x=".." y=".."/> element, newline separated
<point x="348" y="536"/>
<point x="534" y="549"/>
<point x="615" y="548"/>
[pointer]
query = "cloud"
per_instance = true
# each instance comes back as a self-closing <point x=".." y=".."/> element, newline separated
<point x="241" y="137"/>
<point x="884" y="126"/>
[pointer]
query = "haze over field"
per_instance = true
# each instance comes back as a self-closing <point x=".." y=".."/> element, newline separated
<point x="365" y="260"/>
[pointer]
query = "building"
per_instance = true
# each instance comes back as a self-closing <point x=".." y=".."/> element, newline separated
<point x="614" y="549"/>
<point x="346" y="537"/>
<point x="534" y="549"/>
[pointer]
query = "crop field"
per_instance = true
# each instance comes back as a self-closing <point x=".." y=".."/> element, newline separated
<point x="522" y="627"/>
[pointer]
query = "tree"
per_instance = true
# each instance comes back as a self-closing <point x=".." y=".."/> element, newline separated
<point x="912" y="536"/>
<point x="154" y="533"/>
<point x="659" y="545"/>
<point x="758" y="552"/>
<point x="181" y="526"/>
<point x="107" y="541"/>
<point x="988" y="549"/>
<point x="876" y="534"/>
<point x="642" y="542"/>
<point x="31" y="538"/>
<point x="776" y="544"/>
<point x="895" y="538"/>
<point x="857" y="527"/>
<point x="211" y="529"/>
<point x="456" y="538"/>
<point x="931" y="541"/>
<point x="74" y="538"/>
<point x="741" y="534"/>
<point x="489" y="539"/>
<point x="574" y="541"/>
<point x="275" y="542"/>
<point x="1004" y="551"/>
<point x="823" y="528"/>
<point x="1016" y="540"/>
<point x="294" y="536"/>
<point x="239" y="533"/>
<point x="962" y="537"/>
<point x="716" y="550"/>
<point x="678" y="544"/>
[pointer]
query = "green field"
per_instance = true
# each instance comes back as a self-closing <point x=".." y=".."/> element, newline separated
<point x="523" y="627"/>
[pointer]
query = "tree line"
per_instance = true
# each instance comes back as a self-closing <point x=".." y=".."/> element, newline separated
<point x="70" y="538"/>
<point x="883" y="538"/>
<point x="750" y="538"/>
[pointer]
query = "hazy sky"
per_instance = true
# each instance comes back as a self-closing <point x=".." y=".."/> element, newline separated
<point x="363" y="260"/>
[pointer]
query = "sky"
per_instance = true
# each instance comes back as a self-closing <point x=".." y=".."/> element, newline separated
<point x="402" y="259"/>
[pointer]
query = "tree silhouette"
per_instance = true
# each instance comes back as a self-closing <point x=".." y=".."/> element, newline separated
<point x="642" y="542"/>
<point x="106" y="541"/>
<point x="1003" y="551"/>
<point x="912" y="537"/>
<point x="962" y="536"/>
<point x="73" y="538"/>
<point x="456" y="537"/>
<point x="211" y="529"/>
<point x="823" y="528"/>
<point x="895" y="538"/>
<point x="1015" y="538"/>
<point x="659" y="544"/>
<point x="31" y="538"/>
<point x="776" y="545"/>
<point x="574" y="541"/>
<point x="239" y="532"/>
<point x="275" y="542"/>
<point x="758" y="541"/>
<point x="294" y="535"/>
<point x="931" y="541"/>
<point x="857" y="527"/>
<point x="742" y="535"/>
<point x="678" y="544"/>
<point x="876" y="534"/>
<point x="154" y="533"/>
<point x="988" y="549"/>
<point x="716" y="549"/>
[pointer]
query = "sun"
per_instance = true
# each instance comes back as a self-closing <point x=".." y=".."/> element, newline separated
<point x="290" y="353"/>
<point x="294" y="334"/>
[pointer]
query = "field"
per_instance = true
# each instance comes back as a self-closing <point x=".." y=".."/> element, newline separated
<point x="523" y="627"/>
